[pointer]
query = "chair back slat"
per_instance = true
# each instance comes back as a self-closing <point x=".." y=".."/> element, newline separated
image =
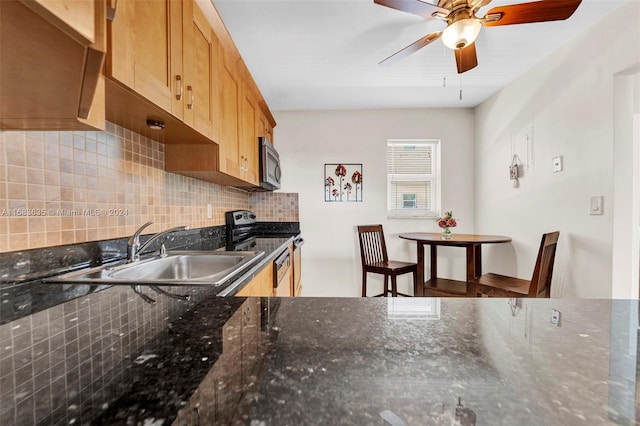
<point x="543" y="271"/>
<point x="372" y="245"/>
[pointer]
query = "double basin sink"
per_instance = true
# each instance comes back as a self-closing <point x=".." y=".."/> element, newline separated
<point x="173" y="268"/>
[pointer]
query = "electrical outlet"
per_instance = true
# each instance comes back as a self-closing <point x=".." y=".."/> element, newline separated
<point x="557" y="164"/>
<point x="555" y="317"/>
<point x="209" y="211"/>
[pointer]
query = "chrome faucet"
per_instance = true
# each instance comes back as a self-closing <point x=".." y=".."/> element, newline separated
<point x="134" y="248"/>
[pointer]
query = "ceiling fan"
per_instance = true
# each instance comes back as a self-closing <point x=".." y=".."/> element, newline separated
<point x="463" y="26"/>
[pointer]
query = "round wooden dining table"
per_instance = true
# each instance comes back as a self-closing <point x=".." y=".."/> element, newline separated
<point x="437" y="286"/>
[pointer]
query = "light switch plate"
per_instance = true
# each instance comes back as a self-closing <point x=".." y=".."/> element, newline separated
<point x="596" y="205"/>
<point x="209" y="211"/>
<point x="557" y="164"/>
<point x="555" y="317"/>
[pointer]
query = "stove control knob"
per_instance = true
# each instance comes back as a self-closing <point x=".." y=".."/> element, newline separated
<point x="238" y="216"/>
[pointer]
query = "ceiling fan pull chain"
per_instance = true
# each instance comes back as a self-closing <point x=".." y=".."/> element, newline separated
<point x="461" y="87"/>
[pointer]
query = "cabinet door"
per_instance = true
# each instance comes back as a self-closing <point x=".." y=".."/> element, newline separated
<point x="146" y="50"/>
<point x="248" y="290"/>
<point x="228" y="101"/>
<point x="260" y="286"/>
<point x="248" y="146"/>
<point x="263" y="127"/>
<point x="76" y="17"/>
<point x="264" y="282"/>
<point x="200" y="55"/>
<point x="51" y="57"/>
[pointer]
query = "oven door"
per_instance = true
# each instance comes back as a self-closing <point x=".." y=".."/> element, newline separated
<point x="270" y="172"/>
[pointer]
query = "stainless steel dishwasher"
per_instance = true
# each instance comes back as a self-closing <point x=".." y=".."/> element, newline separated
<point x="282" y="274"/>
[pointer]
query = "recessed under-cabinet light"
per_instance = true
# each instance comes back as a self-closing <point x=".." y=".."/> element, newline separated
<point x="155" y="124"/>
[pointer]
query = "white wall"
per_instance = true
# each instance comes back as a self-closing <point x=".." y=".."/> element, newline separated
<point x="306" y="140"/>
<point x="569" y="99"/>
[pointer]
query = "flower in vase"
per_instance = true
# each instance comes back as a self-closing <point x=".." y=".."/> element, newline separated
<point x="447" y="221"/>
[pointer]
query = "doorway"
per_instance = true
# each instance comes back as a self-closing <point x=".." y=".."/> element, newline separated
<point x="625" y="280"/>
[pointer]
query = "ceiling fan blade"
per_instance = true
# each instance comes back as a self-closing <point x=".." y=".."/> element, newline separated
<point x="413" y="47"/>
<point x="477" y="4"/>
<point x="537" y="11"/>
<point x="417" y="7"/>
<point x="466" y="58"/>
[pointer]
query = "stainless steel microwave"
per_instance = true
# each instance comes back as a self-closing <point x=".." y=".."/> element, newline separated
<point x="270" y="172"/>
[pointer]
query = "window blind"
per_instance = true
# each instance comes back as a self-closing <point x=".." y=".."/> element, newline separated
<point x="411" y="175"/>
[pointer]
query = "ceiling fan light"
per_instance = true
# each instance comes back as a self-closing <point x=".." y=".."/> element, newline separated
<point x="461" y="33"/>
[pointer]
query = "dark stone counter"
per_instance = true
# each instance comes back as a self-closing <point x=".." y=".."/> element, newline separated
<point x="110" y="358"/>
<point x="26" y="288"/>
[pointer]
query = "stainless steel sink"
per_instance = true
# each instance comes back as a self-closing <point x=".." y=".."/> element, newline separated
<point x="177" y="267"/>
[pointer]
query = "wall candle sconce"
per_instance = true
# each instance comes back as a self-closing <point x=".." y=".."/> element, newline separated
<point x="513" y="171"/>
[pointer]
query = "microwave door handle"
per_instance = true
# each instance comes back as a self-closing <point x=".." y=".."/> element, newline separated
<point x="277" y="172"/>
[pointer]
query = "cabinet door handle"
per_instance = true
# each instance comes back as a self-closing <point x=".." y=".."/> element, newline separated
<point x="191" y="97"/>
<point x="179" y="87"/>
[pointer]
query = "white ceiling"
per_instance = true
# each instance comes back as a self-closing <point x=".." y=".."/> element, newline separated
<point x="324" y="54"/>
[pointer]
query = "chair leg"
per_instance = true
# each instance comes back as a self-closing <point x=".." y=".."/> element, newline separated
<point x="386" y="285"/>
<point x="364" y="283"/>
<point x="415" y="284"/>
<point x="394" y="286"/>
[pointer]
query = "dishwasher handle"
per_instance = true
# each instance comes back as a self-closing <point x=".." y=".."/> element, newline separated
<point x="281" y="267"/>
<point x="282" y="259"/>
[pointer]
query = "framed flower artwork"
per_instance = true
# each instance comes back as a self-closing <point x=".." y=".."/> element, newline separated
<point x="342" y="182"/>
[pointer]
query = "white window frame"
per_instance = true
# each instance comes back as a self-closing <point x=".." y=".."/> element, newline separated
<point x="434" y="178"/>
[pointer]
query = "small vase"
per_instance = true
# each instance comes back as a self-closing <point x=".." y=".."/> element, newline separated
<point x="446" y="233"/>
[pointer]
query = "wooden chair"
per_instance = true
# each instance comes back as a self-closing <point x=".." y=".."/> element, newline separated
<point x="494" y="285"/>
<point x="373" y="252"/>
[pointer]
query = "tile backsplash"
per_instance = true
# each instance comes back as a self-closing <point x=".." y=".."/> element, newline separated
<point x="275" y="206"/>
<point x="72" y="187"/>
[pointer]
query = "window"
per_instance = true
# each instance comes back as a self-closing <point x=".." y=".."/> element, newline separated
<point x="413" y="178"/>
<point x="409" y="201"/>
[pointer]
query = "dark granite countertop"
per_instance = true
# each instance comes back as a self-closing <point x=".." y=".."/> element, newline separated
<point x="110" y="358"/>
<point x="26" y="278"/>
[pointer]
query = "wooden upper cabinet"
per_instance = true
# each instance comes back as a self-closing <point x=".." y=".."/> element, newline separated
<point x="229" y="94"/>
<point x="145" y="51"/>
<point x="248" y="146"/>
<point x="238" y="137"/>
<point x="200" y="59"/>
<point x="263" y="126"/>
<point x="51" y="57"/>
<point x="174" y="61"/>
<point x="76" y="16"/>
